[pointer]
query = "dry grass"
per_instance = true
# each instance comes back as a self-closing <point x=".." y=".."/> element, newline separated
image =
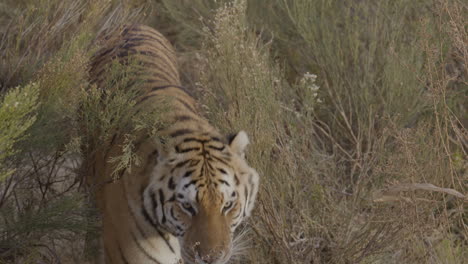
<point x="363" y="163"/>
<point x="348" y="174"/>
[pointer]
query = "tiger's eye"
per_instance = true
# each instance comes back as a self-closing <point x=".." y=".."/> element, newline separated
<point x="227" y="205"/>
<point x="189" y="208"/>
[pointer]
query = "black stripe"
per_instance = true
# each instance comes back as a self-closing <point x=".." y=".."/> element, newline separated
<point x="209" y="165"/>
<point x="107" y="256"/>
<point x="216" y="139"/>
<point x="153" y="154"/>
<point x="143" y="52"/>
<point x="123" y="54"/>
<point x="178" y="150"/>
<point x="225" y="182"/>
<point x="172" y="199"/>
<point x="183" y="118"/>
<point x="192" y="139"/>
<point x="154" y="204"/>
<point x="194" y="162"/>
<point x="181" y="132"/>
<point x="191" y="210"/>
<point x="139" y="32"/>
<point x="144" y="212"/>
<point x="129" y="45"/>
<point x="100" y="73"/>
<point x="246" y="194"/>
<point x="162" y="87"/>
<point x="216" y="148"/>
<point x="222" y="170"/>
<point x="161" y="200"/>
<point x="143" y="36"/>
<point x="162" y="177"/>
<point x="188" y="173"/>
<point x="156" y="54"/>
<point x="171" y="184"/>
<point x="103" y="52"/>
<point x="151" y="81"/>
<point x="136" y="39"/>
<point x="220" y="160"/>
<point x="153" y="76"/>
<point x="162" y="67"/>
<point x="122" y="256"/>
<point x="190" y="183"/>
<point x="152" y="68"/>
<point x="140" y="230"/>
<point x="148" y="218"/>
<point x="126" y="29"/>
<point x="165" y="64"/>
<point x="172" y="213"/>
<point x="237" y="215"/>
<point x="180" y="164"/>
<point x="143" y="250"/>
<point x="145" y="98"/>
<point x="156" y="227"/>
<point x="189" y="107"/>
<point x="161" y="234"/>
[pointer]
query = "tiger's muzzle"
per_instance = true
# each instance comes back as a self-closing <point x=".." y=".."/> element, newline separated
<point x="208" y="240"/>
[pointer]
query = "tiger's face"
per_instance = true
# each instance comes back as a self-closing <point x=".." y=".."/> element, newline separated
<point x="200" y="192"/>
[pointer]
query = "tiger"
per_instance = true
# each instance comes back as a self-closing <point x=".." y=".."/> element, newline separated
<point x="191" y="190"/>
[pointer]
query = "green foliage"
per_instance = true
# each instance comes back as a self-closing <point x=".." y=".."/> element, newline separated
<point x="21" y="230"/>
<point x="109" y="114"/>
<point x="47" y="45"/>
<point x="17" y="114"/>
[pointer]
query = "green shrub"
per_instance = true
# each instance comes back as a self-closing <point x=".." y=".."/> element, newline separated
<point x="17" y="114"/>
<point x="45" y="48"/>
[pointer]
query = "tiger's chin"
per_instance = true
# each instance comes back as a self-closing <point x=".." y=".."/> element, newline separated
<point x="197" y="259"/>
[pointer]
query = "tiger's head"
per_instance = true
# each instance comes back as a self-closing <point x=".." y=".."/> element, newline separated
<point x="200" y="191"/>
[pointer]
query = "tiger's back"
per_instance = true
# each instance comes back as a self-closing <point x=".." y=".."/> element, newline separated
<point x="154" y="62"/>
<point x="164" y="209"/>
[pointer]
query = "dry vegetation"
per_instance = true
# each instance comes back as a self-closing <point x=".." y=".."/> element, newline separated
<point x="357" y="111"/>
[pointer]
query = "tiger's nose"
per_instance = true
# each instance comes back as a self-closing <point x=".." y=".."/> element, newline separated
<point x="208" y="259"/>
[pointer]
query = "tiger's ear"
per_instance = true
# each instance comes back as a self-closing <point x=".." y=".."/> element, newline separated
<point x="238" y="142"/>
